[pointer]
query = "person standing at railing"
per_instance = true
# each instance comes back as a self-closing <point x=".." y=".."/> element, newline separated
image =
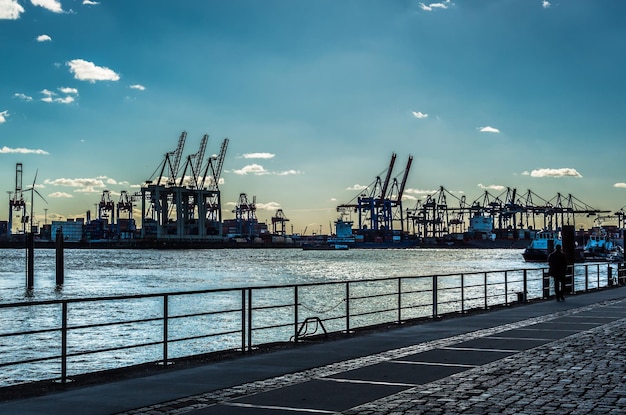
<point x="557" y="261"/>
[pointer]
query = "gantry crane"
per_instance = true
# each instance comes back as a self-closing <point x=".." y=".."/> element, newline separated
<point x="181" y="206"/>
<point x="382" y="207"/>
<point x="245" y="215"/>
<point x="278" y="222"/>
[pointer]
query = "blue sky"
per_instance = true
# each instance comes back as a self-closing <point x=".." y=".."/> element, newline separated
<point x="314" y="97"/>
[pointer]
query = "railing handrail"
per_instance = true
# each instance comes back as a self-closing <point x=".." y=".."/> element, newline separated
<point x="463" y="295"/>
<point x="254" y="287"/>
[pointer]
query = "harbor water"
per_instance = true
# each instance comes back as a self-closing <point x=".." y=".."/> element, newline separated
<point x="109" y="273"/>
<point x="95" y="273"/>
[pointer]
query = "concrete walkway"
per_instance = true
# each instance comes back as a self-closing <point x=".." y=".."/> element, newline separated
<point x="546" y="357"/>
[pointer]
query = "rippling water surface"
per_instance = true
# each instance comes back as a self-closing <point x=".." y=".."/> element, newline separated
<point x="96" y="273"/>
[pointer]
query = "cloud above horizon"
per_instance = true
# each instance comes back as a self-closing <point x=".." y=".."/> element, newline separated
<point x="50" y="96"/>
<point x="434" y="6"/>
<point x="3" y="116"/>
<point x="10" y="10"/>
<point x="258" y="156"/>
<point x="87" y="71"/>
<point x="562" y="172"/>
<point x="85" y="185"/>
<point x="259" y="170"/>
<point x="52" y="5"/>
<point x="491" y="187"/>
<point x="419" y="114"/>
<point x="20" y="150"/>
<point x="488" y="129"/>
<point x="43" y="38"/>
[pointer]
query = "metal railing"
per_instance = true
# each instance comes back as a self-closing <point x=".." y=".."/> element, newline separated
<point x="57" y="339"/>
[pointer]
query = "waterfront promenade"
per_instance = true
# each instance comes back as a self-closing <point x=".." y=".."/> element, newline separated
<point x="545" y="357"/>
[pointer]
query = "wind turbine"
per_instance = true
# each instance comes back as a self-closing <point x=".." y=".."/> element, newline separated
<point x="32" y="199"/>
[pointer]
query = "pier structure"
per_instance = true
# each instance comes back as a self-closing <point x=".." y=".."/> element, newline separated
<point x="184" y="204"/>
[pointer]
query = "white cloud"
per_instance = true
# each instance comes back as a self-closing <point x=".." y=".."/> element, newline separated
<point x="271" y="206"/>
<point x="420" y="191"/>
<point x="258" y="156"/>
<point x="43" y="38"/>
<point x="620" y="185"/>
<point x="7" y="150"/>
<point x="251" y="169"/>
<point x="488" y="129"/>
<point x="357" y="187"/>
<point x="432" y="6"/>
<point x="545" y="4"/>
<point x="563" y="172"/>
<point x="49" y="96"/>
<point x="10" y="10"/>
<point x="67" y="90"/>
<point x="90" y="3"/>
<point x="23" y="97"/>
<point x="419" y="115"/>
<point x="58" y="195"/>
<point x="3" y="116"/>
<point x="288" y="172"/>
<point x="138" y="87"/>
<point x="52" y="5"/>
<point x="491" y="187"/>
<point x="88" y="71"/>
<point x="83" y="185"/>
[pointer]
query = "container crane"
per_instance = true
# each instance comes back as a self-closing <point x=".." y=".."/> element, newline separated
<point x="278" y="222"/>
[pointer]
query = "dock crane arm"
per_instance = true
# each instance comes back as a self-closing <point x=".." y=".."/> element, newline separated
<point x="383" y="192"/>
<point x="199" y="158"/>
<point x="404" y="178"/>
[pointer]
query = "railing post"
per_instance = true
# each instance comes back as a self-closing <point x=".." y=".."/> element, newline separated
<point x="295" y="314"/>
<point x="243" y="320"/>
<point x="435" y="306"/>
<point x="598" y="274"/>
<point x="249" y="319"/>
<point x="609" y="275"/>
<point x="348" y="307"/>
<point x="462" y="293"/>
<point x="64" y="342"/>
<point x="486" y="294"/>
<point x="165" y="327"/>
<point x="399" y="300"/>
<point x="525" y="286"/>
<point x="506" y="287"/>
<point x="586" y="280"/>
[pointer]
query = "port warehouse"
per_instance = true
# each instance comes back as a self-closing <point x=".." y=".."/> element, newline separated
<point x="183" y="202"/>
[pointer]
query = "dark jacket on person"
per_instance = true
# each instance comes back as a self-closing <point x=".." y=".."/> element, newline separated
<point x="557" y="262"/>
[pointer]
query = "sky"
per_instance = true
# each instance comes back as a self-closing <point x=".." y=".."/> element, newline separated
<point x="314" y="97"/>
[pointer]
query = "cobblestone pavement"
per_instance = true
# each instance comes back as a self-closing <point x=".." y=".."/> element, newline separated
<point x="580" y="374"/>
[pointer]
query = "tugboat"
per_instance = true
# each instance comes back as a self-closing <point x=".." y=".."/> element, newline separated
<point x="541" y="246"/>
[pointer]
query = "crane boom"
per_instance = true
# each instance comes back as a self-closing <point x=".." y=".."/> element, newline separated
<point x="199" y="157"/>
<point x="383" y="192"/>
<point x="177" y="156"/>
<point x="404" y="178"/>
